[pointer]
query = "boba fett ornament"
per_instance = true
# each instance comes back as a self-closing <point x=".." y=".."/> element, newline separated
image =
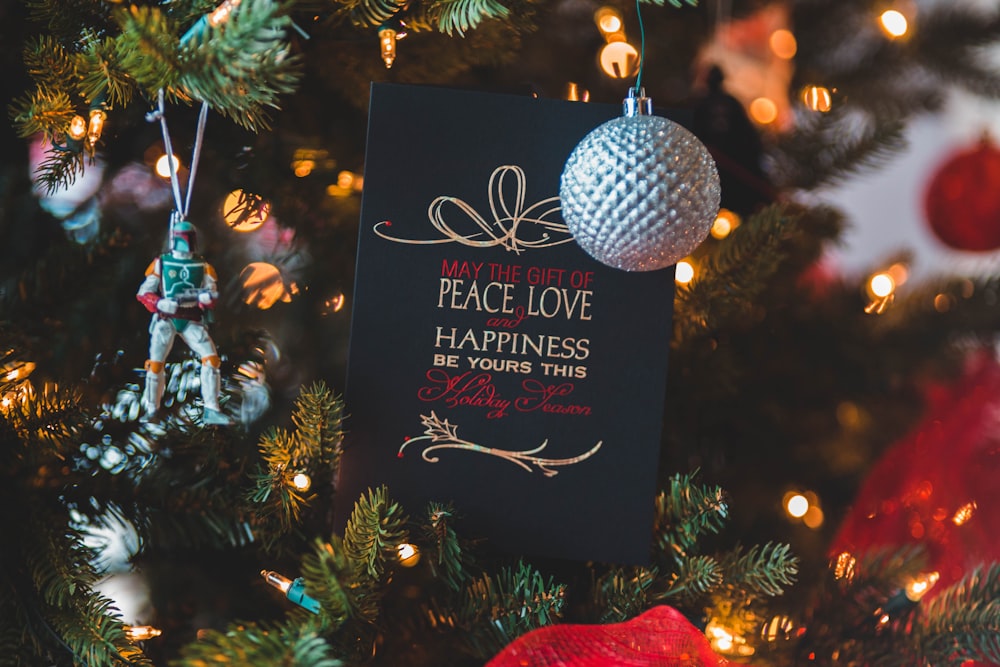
<point x="639" y="192"/>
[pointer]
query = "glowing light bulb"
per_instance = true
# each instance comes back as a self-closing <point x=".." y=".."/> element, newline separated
<point x="608" y="20"/>
<point x="574" y="93"/>
<point x="244" y="212"/>
<point x="96" y="126"/>
<point x="294" y="590"/>
<point x="683" y="272"/>
<point x="725" y="222"/>
<point x="893" y="23"/>
<point x="817" y="98"/>
<point x="387" y="39"/>
<point x="797" y="505"/>
<point x="301" y="481"/>
<point x="783" y="44"/>
<point x="140" y="633"/>
<point x="917" y="588"/>
<point x="964" y="513"/>
<point x="78" y="128"/>
<point x="882" y="284"/>
<point x="408" y="554"/>
<point x="619" y="59"/>
<point x="763" y="110"/>
<point x="163" y="165"/>
<point x="844" y="566"/>
<point x="221" y="13"/>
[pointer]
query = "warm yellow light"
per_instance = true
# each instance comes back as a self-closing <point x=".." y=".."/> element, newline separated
<point x="725" y="222"/>
<point x="817" y="98"/>
<point x="608" y="20"/>
<point x="964" y="513"/>
<point x="797" y="505"/>
<point x="844" y="566"/>
<point x="333" y="304"/>
<point x="222" y="12"/>
<point x="78" y="127"/>
<point x="898" y="272"/>
<point x="303" y="168"/>
<point x="387" y="40"/>
<point x="942" y="302"/>
<point x="683" y="272"/>
<point x="619" y="60"/>
<point x="723" y="640"/>
<point x="764" y="110"/>
<point x="140" y="633"/>
<point x="163" y="165"/>
<point x="96" y="126"/>
<point x="345" y="179"/>
<point x="813" y="518"/>
<point x="783" y="44"/>
<point x="881" y="285"/>
<point x="263" y="285"/>
<point x="301" y="481"/>
<point x="574" y="93"/>
<point x="241" y="212"/>
<point x="408" y="554"/>
<point x="917" y="588"/>
<point x="281" y="582"/>
<point x="893" y="23"/>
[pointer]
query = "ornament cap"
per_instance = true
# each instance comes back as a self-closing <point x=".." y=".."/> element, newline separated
<point x="637" y="104"/>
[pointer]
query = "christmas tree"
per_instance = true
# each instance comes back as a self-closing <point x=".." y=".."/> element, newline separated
<point x="787" y="384"/>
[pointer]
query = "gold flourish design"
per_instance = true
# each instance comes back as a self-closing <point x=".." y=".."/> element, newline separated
<point x="444" y="435"/>
<point x="512" y="227"/>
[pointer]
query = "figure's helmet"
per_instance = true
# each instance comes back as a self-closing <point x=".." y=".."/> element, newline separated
<point x="183" y="237"/>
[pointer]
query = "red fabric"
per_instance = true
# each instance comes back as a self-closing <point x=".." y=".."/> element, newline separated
<point x="952" y="458"/>
<point x="661" y="637"/>
<point x="961" y="201"/>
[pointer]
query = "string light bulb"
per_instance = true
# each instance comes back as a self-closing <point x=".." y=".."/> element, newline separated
<point x="301" y="481"/>
<point x="817" y="98"/>
<point x="163" y="165"/>
<point x="725" y="222"/>
<point x="221" y="13"/>
<point x="893" y="23"/>
<point x="387" y="38"/>
<point x="619" y="59"/>
<point x="294" y="590"/>
<point x="881" y="289"/>
<point x="140" y="633"/>
<point x="918" y="587"/>
<point x="408" y="554"/>
<point x="964" y="513"/>
<point x="683" y="272"/>
<point x="608" y="20"/>
<point x="95" y="126"/>
<point x="78" y="127"/>
<point x="796" y="505"/>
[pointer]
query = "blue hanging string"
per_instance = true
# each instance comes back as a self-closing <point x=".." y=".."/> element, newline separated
<point x="642" y="50"/>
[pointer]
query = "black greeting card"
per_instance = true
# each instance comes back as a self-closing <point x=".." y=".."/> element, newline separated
<point x="493" y="363"/>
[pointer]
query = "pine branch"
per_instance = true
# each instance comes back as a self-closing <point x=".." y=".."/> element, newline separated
<point x="952" y="43"/>
<point x="684" y="513"/>
<point x="43" y="111"/>
<point x="963" y="622"/>
<point x="370" y="13"/>
<point x="102" y="75"/>
<point x="459" y="16"/>
<point x="828" y="148"/>
<point x="623" y="593"/>
<point x="445" y="556"/>
<point x="763" y="570"/>
<point x="328" y="579"/>
<point x="695" y="576"/>
<point x="376" y="527"/>
<point x="49" y="64"/>
<point x="241" y="66"/>
<point x="318" y="416"/>
<point x="258" y="645"/>
<point x="497" y="610"/>
<point x="729" y="281"/>
<point x="146" y="48"/>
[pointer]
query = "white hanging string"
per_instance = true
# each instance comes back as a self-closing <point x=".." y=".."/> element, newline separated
<point x="181" y="208"/>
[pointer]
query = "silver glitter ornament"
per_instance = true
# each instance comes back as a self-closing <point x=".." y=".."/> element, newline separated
<point x="639" y="192"/>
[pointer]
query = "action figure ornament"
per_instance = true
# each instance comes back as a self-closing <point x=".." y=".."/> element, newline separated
<point x="180" y="291"/>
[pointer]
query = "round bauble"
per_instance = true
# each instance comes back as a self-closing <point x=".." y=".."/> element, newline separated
<point x="639" y="193"/>
<point x="962" y="200"/>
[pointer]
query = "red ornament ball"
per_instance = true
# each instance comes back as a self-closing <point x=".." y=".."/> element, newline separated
<point x="962" y="200"/>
